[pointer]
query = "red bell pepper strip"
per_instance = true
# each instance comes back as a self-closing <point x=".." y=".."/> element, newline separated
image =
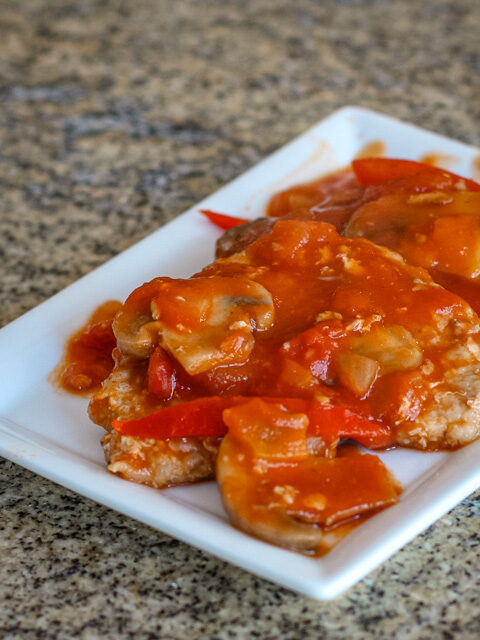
<point x="221" y="220"/>
<point x="203" y="417"/>
<point x="369" y="171"/>
<point x="331" y="422"/>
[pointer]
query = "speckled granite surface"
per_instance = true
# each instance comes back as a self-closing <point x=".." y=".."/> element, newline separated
<point x="114" y="117"/>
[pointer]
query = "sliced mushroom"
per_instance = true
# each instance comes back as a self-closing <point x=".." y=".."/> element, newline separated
<point x="271" y="523"/>
<point x="289" y="504"/>
<point x="134" y="327"/>
<point x="202" y="322"/>
<point x="274" y="488"/>
<point x="213" y="320"/>
<point x="435" y="230"/>
<point x="141" y="337"/>
<point x="239" y="238"/>
<point x="397" y="211"/>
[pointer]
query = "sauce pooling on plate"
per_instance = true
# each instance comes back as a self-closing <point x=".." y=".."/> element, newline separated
<point x="88" y="357"/>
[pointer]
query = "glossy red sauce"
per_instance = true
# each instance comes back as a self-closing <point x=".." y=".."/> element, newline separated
<point x="300" y="296"/>
<point x="87" y="360"/>
<point x="466" y="288"/>
<point x="303" y="267"/>
<point x="331" y="199"/>
<point x="338" y="197"/>
<point x="335" y="533"/>
<point x="279" y="485"/>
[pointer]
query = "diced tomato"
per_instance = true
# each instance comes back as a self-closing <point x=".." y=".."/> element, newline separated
<point x="316" y="347"/>
<point x="370" y="171"/>
<point x="221" y="220"/>
<point x="203" y="417"/>
<point x="161" y="374"/>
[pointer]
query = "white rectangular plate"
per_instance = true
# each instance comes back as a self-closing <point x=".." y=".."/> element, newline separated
<point x="48" y="431"/>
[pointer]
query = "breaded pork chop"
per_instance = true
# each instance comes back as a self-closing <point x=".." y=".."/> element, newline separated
<point x="156" y="463"/>
<point x="302" y="312"/>
<point x="160" y="463"/>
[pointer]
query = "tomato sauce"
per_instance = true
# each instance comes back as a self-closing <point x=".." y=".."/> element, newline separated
<point x="466" y="288"/>
<point x="269" y="477"/>
<point x="304" y="314"/>
<point x="88" y="360"/>
<point x="327" y="292"/>
<point x="331" y="199"/>
<point x="448" y="249"/>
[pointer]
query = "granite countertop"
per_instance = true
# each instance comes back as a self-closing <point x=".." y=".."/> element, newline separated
<point x="116" y="116"/>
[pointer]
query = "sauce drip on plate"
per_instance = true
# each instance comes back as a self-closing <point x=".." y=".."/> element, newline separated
<point x="87" y="359"/>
